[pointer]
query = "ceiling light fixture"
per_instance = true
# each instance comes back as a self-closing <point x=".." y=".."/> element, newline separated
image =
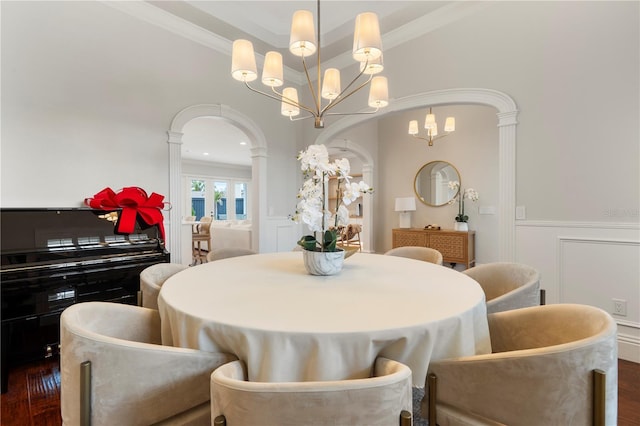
<point x="367" y="49"/>
<point x="432" y="128"/>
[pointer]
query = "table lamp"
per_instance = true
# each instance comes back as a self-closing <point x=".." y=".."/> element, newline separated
<point x="405" y="205"/>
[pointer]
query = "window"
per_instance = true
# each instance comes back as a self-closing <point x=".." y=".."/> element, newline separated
<point x="213" y="197"/>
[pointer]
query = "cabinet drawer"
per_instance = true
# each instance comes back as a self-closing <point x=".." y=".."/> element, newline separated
<point x="401" y="239"/>
<point x="453" y="247"/>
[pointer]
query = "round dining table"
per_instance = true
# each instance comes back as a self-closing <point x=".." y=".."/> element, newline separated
<point x="288" y="325"/>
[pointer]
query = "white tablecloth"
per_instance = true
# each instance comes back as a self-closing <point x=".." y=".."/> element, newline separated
<point x="288" y="325"/>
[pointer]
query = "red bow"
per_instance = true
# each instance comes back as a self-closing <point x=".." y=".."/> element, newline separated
<point x="133" y="201"/>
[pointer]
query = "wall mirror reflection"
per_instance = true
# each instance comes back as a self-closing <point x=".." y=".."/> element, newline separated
<point x="431" y="184"/>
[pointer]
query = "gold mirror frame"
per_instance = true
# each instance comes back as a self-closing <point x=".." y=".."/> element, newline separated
<point x="446" y="172"/>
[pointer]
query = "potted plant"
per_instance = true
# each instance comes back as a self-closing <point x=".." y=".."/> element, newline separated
<point x="313" y="210"/>
<point x="469" y="193"/>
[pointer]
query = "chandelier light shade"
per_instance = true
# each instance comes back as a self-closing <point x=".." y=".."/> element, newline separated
<point x="331" y="84"/>
<point x="243" y="61"/>
<point x="373" y="66"/>
<point x="304" y="42"/>
<point x="290" y="102"/>
<point x="272" y="73"/>
<point x="379" y="93"/>
<point x="367" y="44"/>
<point x="431" y="126"/>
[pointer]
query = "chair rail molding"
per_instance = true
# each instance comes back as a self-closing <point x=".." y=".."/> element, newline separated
<point x="258" y="149"/>
<point x="507" y="114"/>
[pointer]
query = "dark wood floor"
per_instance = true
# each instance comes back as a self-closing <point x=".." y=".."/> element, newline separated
<point x="33" y="398"/>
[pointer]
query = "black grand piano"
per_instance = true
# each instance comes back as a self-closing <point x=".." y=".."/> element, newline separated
<point x="53" y="258"/>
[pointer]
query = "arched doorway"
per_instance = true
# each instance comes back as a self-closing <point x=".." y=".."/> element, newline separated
<point x="340" y="145"/>
<point x="507" y="113"/>
<point x="258" y="148"/>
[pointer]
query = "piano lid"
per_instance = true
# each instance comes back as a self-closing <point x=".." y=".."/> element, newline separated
<point x="50" y="234"/>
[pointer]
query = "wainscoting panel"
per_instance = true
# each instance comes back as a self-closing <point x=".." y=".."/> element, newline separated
<point x="611" y="264"/>
<point x="588" y="263"/>
<point x="282" y="234"/>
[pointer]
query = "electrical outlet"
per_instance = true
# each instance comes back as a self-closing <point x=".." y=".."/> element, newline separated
<point x="620" y="307"/>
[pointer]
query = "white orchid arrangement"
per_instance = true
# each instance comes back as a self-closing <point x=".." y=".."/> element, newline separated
<point x="468" y="193"/>
<point x="312" y="208"/>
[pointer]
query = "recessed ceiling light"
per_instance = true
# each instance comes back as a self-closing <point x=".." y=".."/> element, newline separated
<point x="205" y="153"/>
<point x="243" y="143"/>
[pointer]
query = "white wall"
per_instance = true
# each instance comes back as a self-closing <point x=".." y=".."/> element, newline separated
<point x="88" y="94"/>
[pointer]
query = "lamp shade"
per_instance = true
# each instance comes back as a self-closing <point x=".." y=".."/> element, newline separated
<point x="433" y="130"/>
<point x="272" y="74"/>
<point x="413" y="127"/>
<point x="372" y="66"/>
<point x="331" y="83"/>
<point x="243" y="61"/>
<point x="302" y="40"/>
<point x="450" y="124"/>
<point x="367" y="43"/>
<point x="429" y="121"/>
<point x="290" y="108"/>
<point x="379" y="92"/>
<point x="405" y="204"/>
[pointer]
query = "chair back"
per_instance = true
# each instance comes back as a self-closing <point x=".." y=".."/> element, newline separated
<point x="225" y="253"/>
<point x="426" y="254"/>
<point x="507" y="285"/>
<point x="114" y="370"/>
<point x="378" y="400"/>
<point x="152" y="278"/>
<point x="551" y="364"/>
<point x="203" y="230"/>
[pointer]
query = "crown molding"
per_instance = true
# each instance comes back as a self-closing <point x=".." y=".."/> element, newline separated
<point x="179" y="26"/>
<point x="183" y="28"/>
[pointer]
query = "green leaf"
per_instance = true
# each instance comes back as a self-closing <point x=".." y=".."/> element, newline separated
<point x="330" y="240"/>
<point x="308" y="242"/>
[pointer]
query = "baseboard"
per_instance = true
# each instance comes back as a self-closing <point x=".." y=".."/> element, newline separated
<point x="629" y="348"/>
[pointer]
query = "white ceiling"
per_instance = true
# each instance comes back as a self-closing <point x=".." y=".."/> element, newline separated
<point x="267" y="24"/>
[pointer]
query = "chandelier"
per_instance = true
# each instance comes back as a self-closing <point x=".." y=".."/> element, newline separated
<point x="367" y="50"/>
<point x="432" y="128"/>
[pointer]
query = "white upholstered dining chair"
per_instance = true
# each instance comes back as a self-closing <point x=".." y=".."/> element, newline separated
<point x="383" y="399"/>
<point x="114" y="371"/>
<point x="152" y="278"/>
<point x="551" y="365"/>
<point x="507" y="285"/>
<point x="426" y="254"/>
<point x="227" y="252"/>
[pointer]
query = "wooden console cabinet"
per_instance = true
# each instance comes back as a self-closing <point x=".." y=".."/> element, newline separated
<point x="455" y="246"/>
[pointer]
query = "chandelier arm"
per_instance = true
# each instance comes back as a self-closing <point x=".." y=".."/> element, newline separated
<point x="421" y="138"/>
<point x="316" y="98"/>
<point x="341" y="97"/>
<point x="301" y="118"/>
<point x="354" y="113"/>
<point x="431" y="140"/>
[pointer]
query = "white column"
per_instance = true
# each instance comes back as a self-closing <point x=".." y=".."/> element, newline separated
<point x="507" y="184"/>
<point x="367" y="207"/>
<point x="258" y="203"/>
<point x="174" y="243"/>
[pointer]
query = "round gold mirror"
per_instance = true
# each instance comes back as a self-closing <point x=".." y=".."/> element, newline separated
<point x="432" y="183"/>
